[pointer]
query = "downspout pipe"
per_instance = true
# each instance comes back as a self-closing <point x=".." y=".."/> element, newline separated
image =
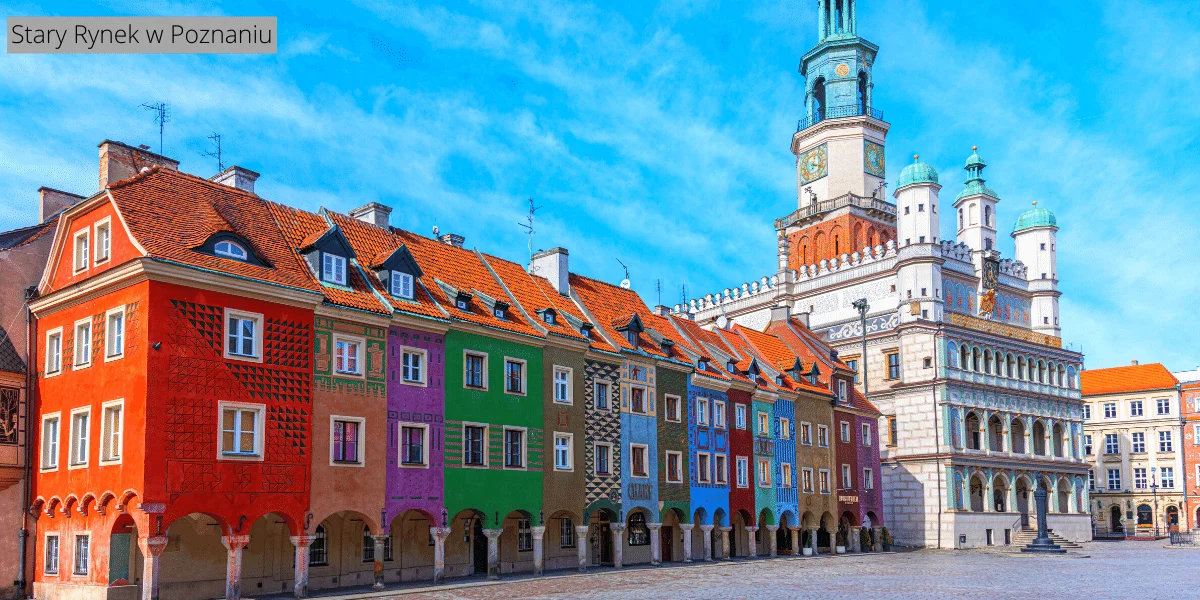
<point x="26" y="482"/>
<point x="937" y="433"/>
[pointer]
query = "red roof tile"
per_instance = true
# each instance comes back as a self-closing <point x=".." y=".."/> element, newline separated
<point x="1132" y="378"/>
<point x="771" y="350"/>
<point x="610" y="304"/>
<point x="531" y="297"/>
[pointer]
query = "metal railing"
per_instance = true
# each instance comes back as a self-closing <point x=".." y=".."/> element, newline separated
<point x="1182" y="538"/>
<point x="838" y="112"/>
<point x="824" y="206"/>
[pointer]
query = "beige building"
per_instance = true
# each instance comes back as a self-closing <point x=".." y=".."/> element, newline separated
<point x="1133" y="437"/>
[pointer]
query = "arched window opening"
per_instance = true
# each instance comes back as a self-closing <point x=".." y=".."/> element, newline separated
<point x="999" y="495"/>
<point x="1145" y="515"/>
<point x="1016" y="436"/>
<point x="863" y="101"/>
<point x="976" y="495"/>
<point x="995" y="434"/>
<point x="973" y="213"/>
<point x="1039" y="438"/>
<point x="1021" y="367"/>
<point x="965" y="361"/>
<point x="987" y="362"/>
<point x="975" y="360"/>
<point x="952" y="354"/>
<point x="318" y="552"/>
<point x="961" y="222"/>
<point x="973" y="432"/>
<point x="1058" y="440"/>
<point x="230" y="250"/>
<point x="1009" y="366"/>
<point x="818" y="96"/>
<point x="987" y="216"/>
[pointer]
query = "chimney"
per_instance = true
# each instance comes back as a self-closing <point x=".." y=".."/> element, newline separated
<point x="662" y="311"/>
<point x="374" y="213"/>
<point x="553" y="265"/>
<point x="52" y="201"/>
<point x="801" y="318"/>
<point x="121" y="161"/>
<point x="452" y="239"/>
<point x="1133" y="363"/>
<point x="780" y="313"/>
<point x="237" y="177"/>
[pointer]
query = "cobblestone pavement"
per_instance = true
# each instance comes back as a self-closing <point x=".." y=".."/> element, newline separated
<point x="1142" y="570"/>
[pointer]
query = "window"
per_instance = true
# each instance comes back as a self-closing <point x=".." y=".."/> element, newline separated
<point x="80" y="420"/>
<point x="346" y="440"/>
<point x="719" y="414"/>
<point x="672" y="408"/>
<point x="703" y="467"/>
<point x="550" y="317"/>
<point x="1087" y="444"/>
<point x="639" y="534"/>
<point x="841" y="390"/>
<point x="318" y="551"/>
<point x="473" y="441"/>
<point x="562" y="385"/>
<point x="637" y="460"/>
<point x="1087" y="412"/>
<point x="822" y="436"/>
<point x="893" y="431"/>
<point x="241" y="429"/>
<point x="600" y="392"/>
<point x="743" y="476"/>
<point x="603" y="458"/>
<point x="414" y="439"/>
<point x="475" y="369"/>
<point x="1139" y="478"/>
<point x="50" y="442"/>
<point x="402" y="285"/>
<point x="1196" y="436"/>
<point x="514" y="448"/>
<point x="347" y="356"/>
<point x="893" y="365"/>
<point x="868" y="479"/>
<point x="499" y="312"/>
<point x="242" y="334"/>
<point x="1137" y="442"/>
<point x="230" y="250"/>
<point x="1111" y="444"/>
<point x="1167" y="477"/>
<point x="114" y="333"/>
<point x="847" y="483"/>
<point x="562" y="452"/>
<point x="53" y="363"/>
<point x="1135" y="408"/>
<point x="853" y="364"/>
<point x="1091" y="480"/>
<point x="111" y="426"/>
<point x="674" y="467"/>
<point x="82" y="245"/>
<point x="785" y="475"/>
<point x="103" y="240"/>
<point x="823" y="479"/>
<point x="764" y="424"/>
<point x="764" y="472"/>
<point x="637" y="399"/>
<point x="514" y="376"/>
<point x="1164" y="441"/>
<point x="866" y="434"/>
<point x="566" y="533"/>
<point x="702" y="411"/>
<point x="1110" y="410"/>
<point x="333" y="268"/>
<point x="82" y="546"/>
<point x="785" y="428"/>
<point x="368" y="546"/>
<point x="412" y="365"/>
<point x="1114" y="479"/>
<point x="50" y="564"/>
<point x="806" y="479"/>
<point x="1164" y="406"/>
<point x="462" y="304"/>
<point x="739" y="414"/>
<point x="845" y="430"/>
<point x="524" y="536"/>
<point x="83" y="343"/>
<point x="720" y="469"/>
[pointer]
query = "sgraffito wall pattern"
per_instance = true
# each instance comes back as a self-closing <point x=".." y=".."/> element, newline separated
<point x="602" y="425"/>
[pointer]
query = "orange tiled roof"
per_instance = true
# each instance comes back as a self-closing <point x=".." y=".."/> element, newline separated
<point x="802" y="341"/>
<point x="772" y="351"/>
<point x="708" y="344"/>
<point x="1132" y="378"/>
<point x="609" y="304"/>
<point x="532" y="297"/>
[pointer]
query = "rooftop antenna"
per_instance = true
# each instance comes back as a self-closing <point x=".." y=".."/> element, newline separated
<point x="216" y="139"/>
<point x="658" y="288"/>
<point x="683" y="293"/>
<point x="162" y="114"/>
<point x="625" y="282"/>
<point x="528" y="227"/>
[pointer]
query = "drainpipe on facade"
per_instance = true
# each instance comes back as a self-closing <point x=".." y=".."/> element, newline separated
<point x="1187" y="506"/>
<point x="26" y="481"/>
<point x="937" y="431"/>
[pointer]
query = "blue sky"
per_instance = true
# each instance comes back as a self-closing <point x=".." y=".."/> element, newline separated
<point x="657" y="133"/>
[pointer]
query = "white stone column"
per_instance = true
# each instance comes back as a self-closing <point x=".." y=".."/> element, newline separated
<point x="655" y="543"/>
<point x="985" y="442"/>
<point x="152" y="548"/>
<point x="795" y="541"/>
<point x="687" y="541"/>
<point x="301" y="542"/>
<point x="234" y="544"/>
<point x="439" y="552"/>
<point x="772" y="548"/>
<point x="812" y="540"/>
<point x="493" y="536"/>
<point x="855" y="539"/>
<point x="539" y="534"/>
<point x="378" y="566"/>
<point x="877" y="532"/>
<point x="706" y="531"/>
<point x="581" y="546"/>
<point x="725" y="554"/>
<point x="618" y="544"/>
<point x="753" y="550"/>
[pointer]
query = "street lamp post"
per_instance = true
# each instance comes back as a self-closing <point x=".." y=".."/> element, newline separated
<point x="1154" y="489"/>
<point x="863" y="307"/>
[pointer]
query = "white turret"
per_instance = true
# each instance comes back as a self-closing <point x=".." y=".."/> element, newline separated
<point x="976" y="206"/>
<point x="919" y="272"/>
<point x="1034" y="238"/>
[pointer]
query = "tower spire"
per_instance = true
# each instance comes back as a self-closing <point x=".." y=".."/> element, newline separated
<point x="836" y="19"/>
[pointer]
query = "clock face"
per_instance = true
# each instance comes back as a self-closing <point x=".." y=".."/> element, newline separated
<point x="813" y="164"/>
<point x="991" y="274"/>
<point x="842" y="70"/>
<point x="873" y="162"/>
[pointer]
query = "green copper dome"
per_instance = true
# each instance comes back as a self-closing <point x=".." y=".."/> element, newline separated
<point x="1035" y="217"/>
<point x="975" y="183"/>
<point x="917" y="172"/>
<point x="975" y="159"/>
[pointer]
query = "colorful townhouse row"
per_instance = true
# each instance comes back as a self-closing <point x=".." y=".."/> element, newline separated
<point x="232" y="396"/>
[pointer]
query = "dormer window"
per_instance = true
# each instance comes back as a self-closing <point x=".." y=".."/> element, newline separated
<point x="230" y="250"/>
<point x="462" y="304"/>
<point x="631" y="337"/>
<point x="731" y="366"/>
<point x="550" y="317"/>
<point x="586" y="330"/>
<point x="333" y="268"/>
<point x="402" y="285"/>
<point x="779" y="380"/>
<point x="498" y="312"/>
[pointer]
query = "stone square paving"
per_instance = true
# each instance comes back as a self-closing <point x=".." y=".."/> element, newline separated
<point x="1143" y="570"/>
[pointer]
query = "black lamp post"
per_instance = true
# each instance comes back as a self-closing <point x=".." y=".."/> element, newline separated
<point x="1154" y="489"/>
<point x="863" y="307"/>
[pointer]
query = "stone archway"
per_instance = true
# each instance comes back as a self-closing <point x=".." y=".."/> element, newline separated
<point x="1115" y="520"/>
